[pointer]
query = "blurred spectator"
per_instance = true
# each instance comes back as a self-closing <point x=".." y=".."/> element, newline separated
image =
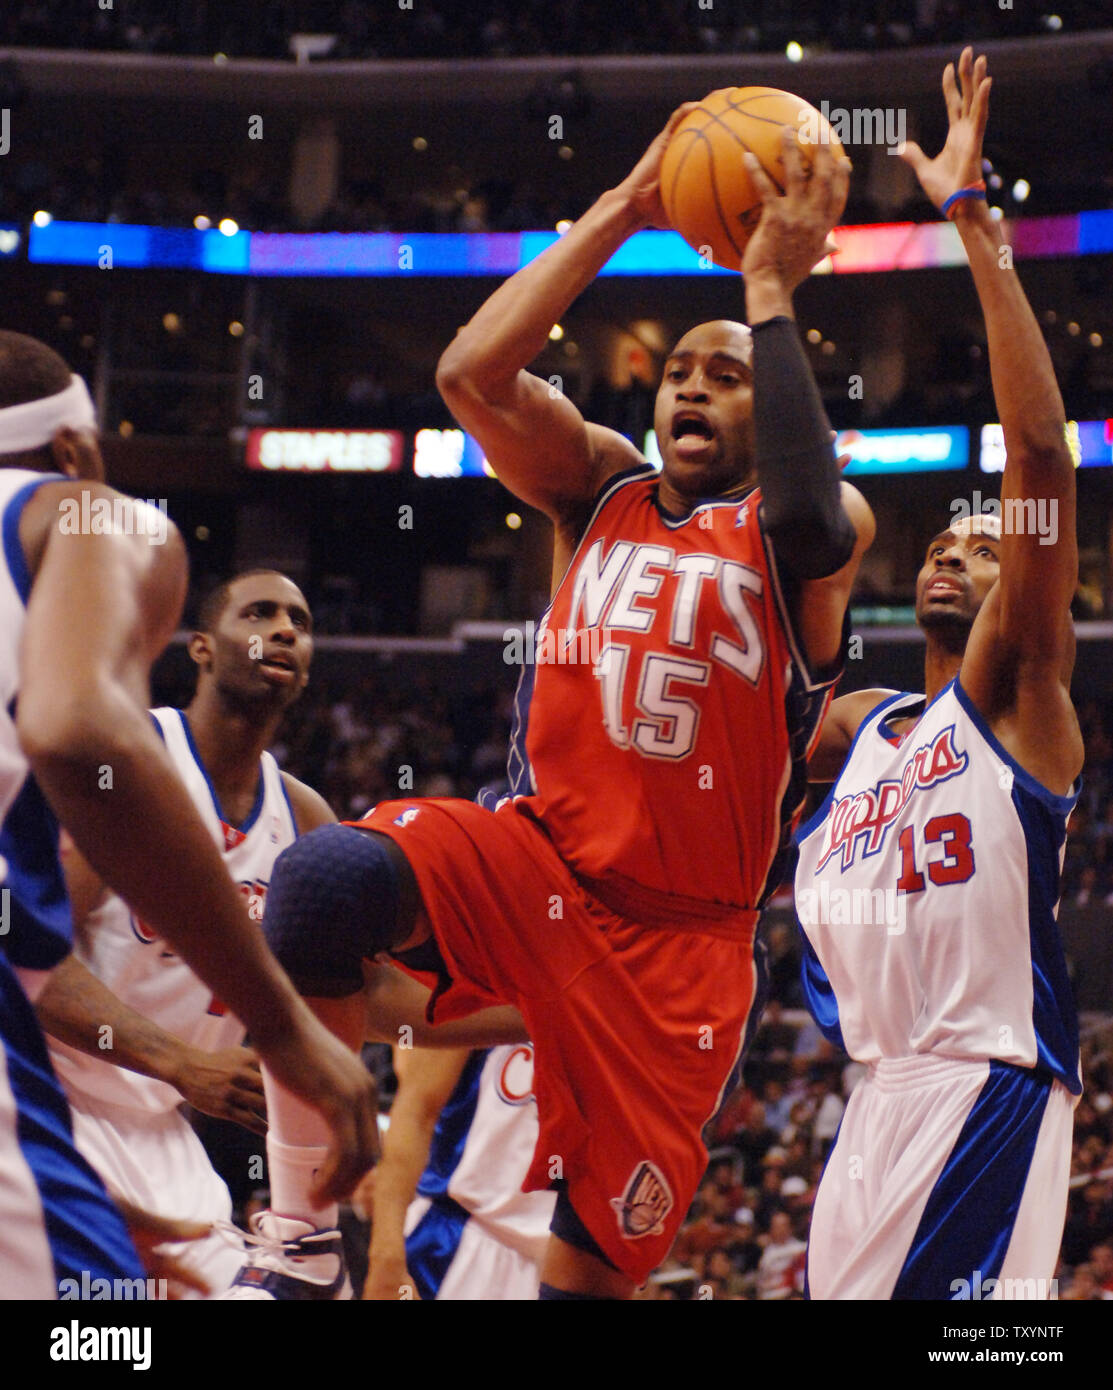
<point x="780" y="1272"/>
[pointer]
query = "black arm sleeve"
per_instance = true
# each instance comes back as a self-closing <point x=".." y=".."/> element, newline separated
<point x="802" y="514"/>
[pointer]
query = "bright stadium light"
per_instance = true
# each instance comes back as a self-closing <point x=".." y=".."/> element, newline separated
<point x="42" y="219"/>
<point x="228" y="226"/>
<point x="794" y="52"/>
<point x="1021" y="189"/>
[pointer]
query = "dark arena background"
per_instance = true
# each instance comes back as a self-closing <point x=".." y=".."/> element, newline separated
<point x="254" y="229"/>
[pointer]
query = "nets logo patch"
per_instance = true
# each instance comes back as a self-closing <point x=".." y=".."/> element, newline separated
<point x="641" y="1211"/>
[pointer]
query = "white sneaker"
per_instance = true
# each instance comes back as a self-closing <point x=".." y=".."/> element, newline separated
<point x="290" y="1260"/>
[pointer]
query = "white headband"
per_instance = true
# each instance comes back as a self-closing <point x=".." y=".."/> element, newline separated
<point x="33" y="424"/>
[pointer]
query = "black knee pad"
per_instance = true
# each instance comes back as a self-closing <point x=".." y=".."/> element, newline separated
<point x="333" y="900"/>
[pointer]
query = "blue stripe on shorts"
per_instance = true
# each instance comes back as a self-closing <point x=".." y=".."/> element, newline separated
<point x="966" y="1227"/>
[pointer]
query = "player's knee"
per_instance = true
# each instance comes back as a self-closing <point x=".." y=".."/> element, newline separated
<point x="333" y="899"/>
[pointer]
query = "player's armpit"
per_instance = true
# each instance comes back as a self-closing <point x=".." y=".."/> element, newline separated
<point x="842" y="722"/>
<point x="396" y="1002"/>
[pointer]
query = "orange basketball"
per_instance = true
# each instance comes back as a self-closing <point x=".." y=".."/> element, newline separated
<point x="707" y="193"/>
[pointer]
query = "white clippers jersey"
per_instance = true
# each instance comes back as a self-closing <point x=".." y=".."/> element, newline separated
<point x="483" y="1145"/>
<point x="927" y="888"/>
<point x="37" y="928"/>
<point x="137" y="967"/>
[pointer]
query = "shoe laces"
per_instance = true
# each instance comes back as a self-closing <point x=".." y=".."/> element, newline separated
<point x="270" y="1251"/>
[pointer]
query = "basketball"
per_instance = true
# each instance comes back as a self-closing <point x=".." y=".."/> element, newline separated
<point x="707" y="193"/>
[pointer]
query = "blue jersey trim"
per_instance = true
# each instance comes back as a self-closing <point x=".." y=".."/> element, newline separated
<point x="967" y="1224"/>
<point x="1054" y="1016"/>
<point x="451" y="1134"/>
<point x="819" y="995"/>
<point x="1062" y="805"/>
<point x="13" y="551"/>
<point x="674" y="522"/>
<point x="432" y="1245"/>
<point x="259" y="791"/>
<point x="84" y="1230"/>
<point x="289" y="803"/>
<point x="41" y="931"/>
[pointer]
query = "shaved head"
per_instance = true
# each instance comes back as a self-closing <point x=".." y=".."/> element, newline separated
<point x="719" y="335"/>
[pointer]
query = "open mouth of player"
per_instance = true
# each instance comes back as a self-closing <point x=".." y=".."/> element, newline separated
<point x="279" y="667"/>
<point x="943" y="588"/>
<point x="691" y="434"/>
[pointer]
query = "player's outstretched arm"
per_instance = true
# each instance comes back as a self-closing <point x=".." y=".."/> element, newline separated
<point x="819" y="526"/>
<point x="425" y="1082"/>
<point x="534" y="437"/>
<point x="102" y="606"/>
<point x="396" y="1006"/>
<point x="80" y="1010"/>
<point x="1018" y="658"/>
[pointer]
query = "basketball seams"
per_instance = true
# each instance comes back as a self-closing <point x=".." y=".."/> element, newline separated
<point x="702" y="214"/>
<point x="699" y="139"/>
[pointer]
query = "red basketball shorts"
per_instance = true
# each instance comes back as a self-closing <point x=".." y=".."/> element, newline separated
<point x="636" y="1029"/>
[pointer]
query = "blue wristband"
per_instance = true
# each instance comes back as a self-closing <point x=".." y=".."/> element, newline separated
<point x="975" y="190"/>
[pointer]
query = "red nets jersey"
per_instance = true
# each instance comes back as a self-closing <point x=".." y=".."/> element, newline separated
<point x="665" y="712"/>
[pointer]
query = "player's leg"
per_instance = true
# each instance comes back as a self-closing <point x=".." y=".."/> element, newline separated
<point x="569" y="1272"/>
<point x="919" y="1199"/>
<point x="1037" y="1232"/>
<point x="645" y="1065"/>
<point x="157" y="1163"/>
<point x="1015" y="1138"/>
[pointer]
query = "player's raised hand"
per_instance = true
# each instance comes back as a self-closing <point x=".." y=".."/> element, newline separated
<point x="308" y="1060"/>
<point x="959" y="163"/>
<point x="642" y="186"/>
<point x="793" y="234"/>
<point x="227" y="1085"/>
